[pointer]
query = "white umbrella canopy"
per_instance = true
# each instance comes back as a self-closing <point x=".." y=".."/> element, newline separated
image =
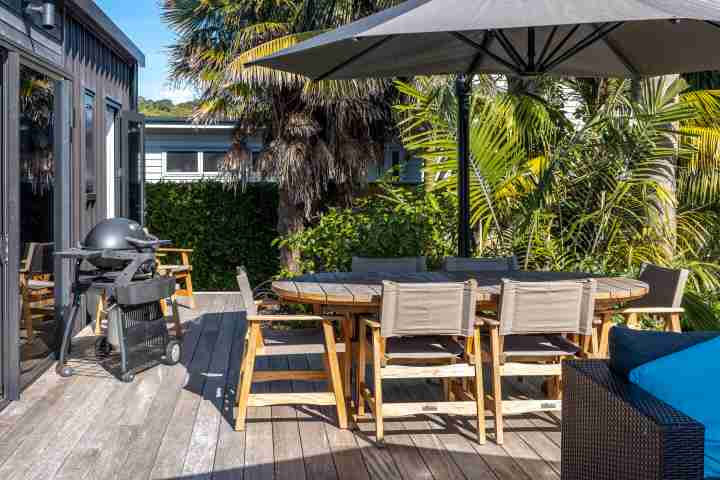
<point x="607" y="38"/>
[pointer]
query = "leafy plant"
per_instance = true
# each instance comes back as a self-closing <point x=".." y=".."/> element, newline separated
<point x="396" y="222"/>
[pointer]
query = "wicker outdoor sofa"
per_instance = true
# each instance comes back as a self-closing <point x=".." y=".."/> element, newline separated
<point x="614" y="430"/>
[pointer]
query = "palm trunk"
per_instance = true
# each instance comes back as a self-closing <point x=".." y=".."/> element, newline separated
<point x="290" y="220"/>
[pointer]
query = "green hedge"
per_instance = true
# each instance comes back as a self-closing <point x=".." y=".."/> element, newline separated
<point x="225" y="227"/>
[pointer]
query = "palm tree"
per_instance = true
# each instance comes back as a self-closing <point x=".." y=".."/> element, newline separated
<point x="320" y="136"/>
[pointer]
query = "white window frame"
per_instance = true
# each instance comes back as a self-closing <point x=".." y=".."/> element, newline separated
<point x="198" y="173"/>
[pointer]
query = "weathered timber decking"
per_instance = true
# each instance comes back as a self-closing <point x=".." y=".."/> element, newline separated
<point x="175" y="423"/>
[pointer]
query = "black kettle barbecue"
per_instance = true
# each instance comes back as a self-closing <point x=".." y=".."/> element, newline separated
<point x="123" y="256"/>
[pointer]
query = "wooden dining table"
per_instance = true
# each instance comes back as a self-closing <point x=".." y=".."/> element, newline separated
<point x="362" y="292"/>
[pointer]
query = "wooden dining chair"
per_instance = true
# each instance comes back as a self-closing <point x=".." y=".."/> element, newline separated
<point x="261" y="341"/>
<point x="389" y="265"/>
<point x="37" y="286"/>
<point x="497" y="264"/>
<point x="527" y="339"/>
<point x="414" y="339"/>
<point x="662" y="302"/>
<point x="176" y="262"/>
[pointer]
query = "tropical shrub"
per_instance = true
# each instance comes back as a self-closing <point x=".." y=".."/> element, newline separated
<point x="396" y="222"/>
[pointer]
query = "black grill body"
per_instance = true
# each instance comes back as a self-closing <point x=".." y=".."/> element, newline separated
<point x="137" y="333"/>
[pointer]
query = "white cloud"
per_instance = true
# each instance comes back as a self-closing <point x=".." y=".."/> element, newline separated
<point x="177" y="95"/>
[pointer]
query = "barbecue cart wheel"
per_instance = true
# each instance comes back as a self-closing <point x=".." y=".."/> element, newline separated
<point x="127" y="377"/>
<point x="102" y="347"/>
<point x="65" y="371"/>
<point x="173" y="350"/>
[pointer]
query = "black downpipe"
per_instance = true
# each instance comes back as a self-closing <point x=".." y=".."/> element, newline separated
<point x="463" y="125"/>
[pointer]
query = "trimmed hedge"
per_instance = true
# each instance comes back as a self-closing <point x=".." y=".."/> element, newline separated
<point x="226" y="228"/>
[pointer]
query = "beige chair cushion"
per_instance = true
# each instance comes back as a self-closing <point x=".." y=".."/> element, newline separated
<point x="538" y="346"/>
<point x="431" y="348"/>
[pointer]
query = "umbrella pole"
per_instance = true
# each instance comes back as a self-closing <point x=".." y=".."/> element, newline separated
<point x="463" y="125"/>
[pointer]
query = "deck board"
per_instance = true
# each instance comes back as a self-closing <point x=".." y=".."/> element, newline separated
<point x="177" y="422"/>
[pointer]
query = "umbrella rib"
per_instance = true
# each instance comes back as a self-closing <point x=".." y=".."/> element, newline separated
<point x="487" y="38"/>
<point x="487" y="52"/>
<point x="510" y="49"/>
<point x="549" y="41"/>
<point x="354" y="58"/>
<point x="560" y="45"/>
<point x="531" y="49"/>
<point x="590" y="39"/>
<point x="621" y="56"/>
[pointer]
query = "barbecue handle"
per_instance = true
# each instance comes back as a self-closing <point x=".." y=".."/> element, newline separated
<point x="148" y="243"/>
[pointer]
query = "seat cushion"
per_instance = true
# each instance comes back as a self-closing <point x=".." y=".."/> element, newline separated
<point x="687" y="380"/>
<point x="538" y="346"/>
<point x="297" y="341"/>
<point x="631" y="348"/>
<point x="431" y="348"/>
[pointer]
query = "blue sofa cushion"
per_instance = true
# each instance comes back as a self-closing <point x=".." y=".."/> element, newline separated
<point x="688" y="381"/>
<point x="631" y="348"/>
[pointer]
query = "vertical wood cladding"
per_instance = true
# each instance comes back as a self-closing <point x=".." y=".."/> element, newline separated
<point x="98" y="69"/>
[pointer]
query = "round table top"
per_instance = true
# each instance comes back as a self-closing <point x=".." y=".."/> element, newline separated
<point x="365" y="289"/>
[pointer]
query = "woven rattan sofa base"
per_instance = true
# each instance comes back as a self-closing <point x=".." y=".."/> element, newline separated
<point x="614" y="430"/>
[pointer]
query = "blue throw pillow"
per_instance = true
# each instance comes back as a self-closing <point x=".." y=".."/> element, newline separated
<point x="631" y="348"/>
<point x="688" y="381"/>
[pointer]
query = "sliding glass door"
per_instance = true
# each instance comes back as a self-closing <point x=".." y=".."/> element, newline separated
<point x="133" y="134"/>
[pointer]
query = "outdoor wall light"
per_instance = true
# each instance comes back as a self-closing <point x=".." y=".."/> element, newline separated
<point x="46" y="11"/>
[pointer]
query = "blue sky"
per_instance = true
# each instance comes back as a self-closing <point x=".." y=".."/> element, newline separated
<point x="141" y="21"/>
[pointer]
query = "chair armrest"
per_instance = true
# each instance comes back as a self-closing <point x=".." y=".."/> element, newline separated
<point x="604" y="417"/>
<point x="371" y="323"/>
<point x="267" y="302"/>
<point x="292" y="318"/>
<point x="482" y="320"/>
<point x="176" y="250"/>
<point x="651" y="310"/>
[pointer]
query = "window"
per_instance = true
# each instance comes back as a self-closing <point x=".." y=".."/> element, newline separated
<point x="90" y="160"/>
<point x="182" y="162"/>
<point x="212" y="161"/>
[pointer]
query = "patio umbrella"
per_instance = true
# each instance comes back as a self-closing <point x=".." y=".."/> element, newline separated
<point x="585" y="38"/>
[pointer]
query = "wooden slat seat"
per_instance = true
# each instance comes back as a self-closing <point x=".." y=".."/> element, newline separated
<point x="538" y="346"/>
<point x="40" y="284"/>
<point x="428" y="348"/>
<point x="296" y="342"/>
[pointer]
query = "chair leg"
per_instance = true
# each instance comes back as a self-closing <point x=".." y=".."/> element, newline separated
<point x="99" y="312"/>
<point x="27" y="318"/>
<point x="479" y="389"/>
<point x="672" y="322"/>
<point x="378" y="394"/>
<point x="347" y="357"/>
<point x="361" y="364"/>
<point x="189" y="290"/>
<point x="246" y="377"/>
<point x="335" y="377"/>
<point x="176" y="320"/>
<point x="605" y="334"/>
<point x="496" y="385"/>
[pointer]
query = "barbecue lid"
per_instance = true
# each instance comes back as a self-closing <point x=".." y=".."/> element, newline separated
<point x="111" y="234"/>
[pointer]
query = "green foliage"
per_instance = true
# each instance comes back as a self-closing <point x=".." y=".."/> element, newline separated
<point x="397" y="222"/>
<point x="166" y="108"/>
<point x="226" y="228"/>
<point x="626" y="182"/>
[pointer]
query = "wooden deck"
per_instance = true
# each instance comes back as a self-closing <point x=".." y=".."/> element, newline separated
<point x="175" y="423"/>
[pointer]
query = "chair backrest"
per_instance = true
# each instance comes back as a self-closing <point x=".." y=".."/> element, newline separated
<point x="389" y="265"/>
<point x="547" y="307"/>
<point x="666" y="287"/>
<point x="419" y="309"/>
<point x="498" y="264"/>
<point x="246" y="291"/>
<point x="40" y="259"/>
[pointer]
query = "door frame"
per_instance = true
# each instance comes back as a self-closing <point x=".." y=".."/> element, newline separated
<point x="127" y="116"/>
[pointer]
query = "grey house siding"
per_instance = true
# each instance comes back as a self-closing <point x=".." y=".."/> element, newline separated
<point x="164" y="136"/>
